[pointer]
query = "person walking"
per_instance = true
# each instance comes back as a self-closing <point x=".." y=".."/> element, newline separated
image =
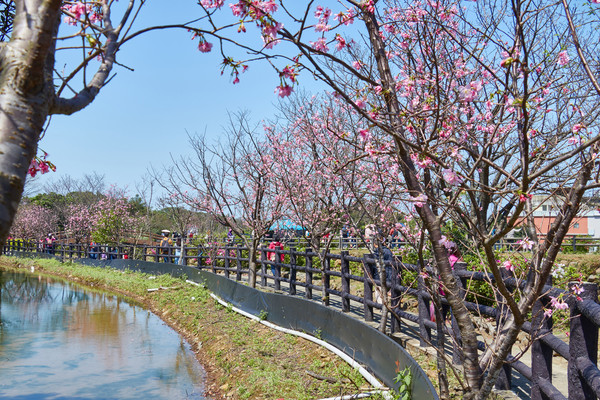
<point x="165" y="245"/>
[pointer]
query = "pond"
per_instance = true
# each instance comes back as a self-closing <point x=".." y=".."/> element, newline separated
<point x="59" y="341"/>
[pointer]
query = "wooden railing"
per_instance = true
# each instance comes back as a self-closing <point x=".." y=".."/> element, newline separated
<point x="349" y="282"/>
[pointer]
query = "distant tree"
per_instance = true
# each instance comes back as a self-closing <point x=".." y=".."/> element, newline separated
<point x="48" y="200"/>
<point x="34" y="221"/>
<point x="181" y="218"/>
<point x="80" y="222"/>
<point x="232" y="181"/>
<point x="112" y="220"/>
<point x="315" y="167"/>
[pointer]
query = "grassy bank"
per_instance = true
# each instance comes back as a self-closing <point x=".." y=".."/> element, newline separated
<point x="243" y="359"/>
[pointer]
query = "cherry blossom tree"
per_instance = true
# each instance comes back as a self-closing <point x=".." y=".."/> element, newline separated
<point x="233" y="182"/>
<point x="80" y="222"/>
<point x="478" y="105"/>
<point x="314" y="168"/>
<point x="112" y="220"/>
<point x="33" y="88"/>
<point x="33" y="222"/>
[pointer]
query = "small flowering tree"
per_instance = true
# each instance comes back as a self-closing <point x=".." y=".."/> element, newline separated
<point x="80" y="222"/>
<point x="232" y="181"/>
<point x="313" y="168"/>
<point x="112" y="220"/>
<point x="33" y="222"/>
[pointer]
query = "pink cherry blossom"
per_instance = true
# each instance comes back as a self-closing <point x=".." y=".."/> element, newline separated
<point x="204" y="46"/>
<point x="212" y="3"/>
<point x="323" y="13"/>
<point x="289" y="73"/>
<point x="320" y="27"/>
<point x="420" y="200"/>
<point x="368" y="5"/>
<point x="578" y="289"/>
<point x="341" y="42"/>
<point x="320" y="45"/>
<point x="523" y="197"/>
<point x="525" y="243"/>
<point x="508" y="265"/>
<point x="448" y="244"/>
<point x="360" y="103"/>
<point x="563" y="58"/>
<point x="365" y="135"/>
<point x="422" y="161"/>
<point x="40" y="164"/>
<point x="558" y="304"/>
<point x="346" y="18"/>
<point x="283" y="90"/>
<point x="451" y="177"/>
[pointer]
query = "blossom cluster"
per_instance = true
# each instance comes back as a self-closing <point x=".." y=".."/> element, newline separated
<point x="41" y="165"/>
<point x="83" y="12"/>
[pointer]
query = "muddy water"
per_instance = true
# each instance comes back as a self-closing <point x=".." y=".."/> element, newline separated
<point x="60" y="341"/>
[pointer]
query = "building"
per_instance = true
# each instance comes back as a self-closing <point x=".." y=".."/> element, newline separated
<point x="587" y="222"/>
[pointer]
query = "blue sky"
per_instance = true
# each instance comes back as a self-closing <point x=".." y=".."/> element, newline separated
<point x="142" y="116"/>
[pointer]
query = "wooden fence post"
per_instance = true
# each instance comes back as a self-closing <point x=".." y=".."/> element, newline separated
<point x="293" y="270"/>
<point x="583" y="342"/>
<point x="326" y="277"/>
<point x="227" y="261"/>
<point x="277" y="267"/>
<point x="368" y="287"/>
<point x="541" y="353"/>
<point x="345" y="271"/>
<point x="213" y="264"/>
<point x="199" y="255"/>
<point x="308" y="264"/>
<point x="238" y="272"/>
<point x="263" y="266"/>
<point x="423" y="307"/>
<point x="504" y="380"/>
<point x="457" y="342"/>
<point x="396" y="295"/>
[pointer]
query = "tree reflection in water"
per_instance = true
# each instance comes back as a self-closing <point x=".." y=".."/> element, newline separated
<point x="57" y="340"/>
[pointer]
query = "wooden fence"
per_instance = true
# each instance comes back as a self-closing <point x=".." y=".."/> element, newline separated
<point x="348" y="283"/>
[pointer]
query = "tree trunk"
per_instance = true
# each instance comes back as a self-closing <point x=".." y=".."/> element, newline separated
<point x="26" y="93"/>
<point x="252" y="253"/>
<point x="431" y="223"/>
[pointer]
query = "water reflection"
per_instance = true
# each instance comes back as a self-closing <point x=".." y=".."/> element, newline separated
<point x="60" y="341"/>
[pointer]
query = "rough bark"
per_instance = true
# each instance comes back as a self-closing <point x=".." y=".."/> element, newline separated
<point x="26" y="93"/>
<point x="431" y="223"/>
